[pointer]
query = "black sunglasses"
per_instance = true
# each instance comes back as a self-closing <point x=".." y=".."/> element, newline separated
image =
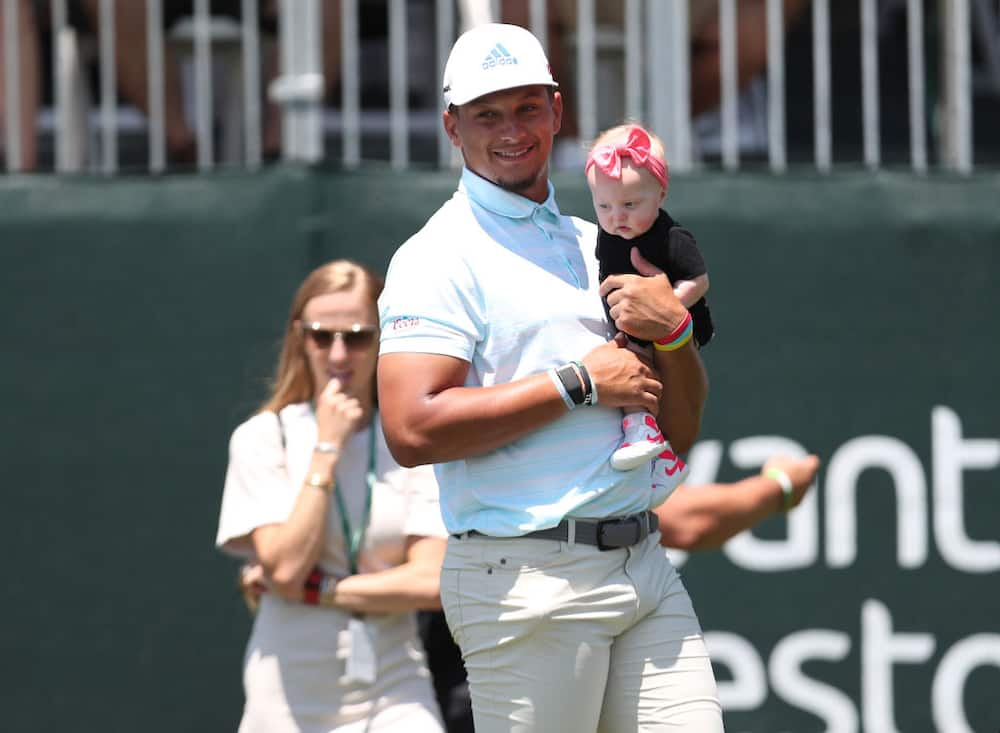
<point x="354" y="337"/>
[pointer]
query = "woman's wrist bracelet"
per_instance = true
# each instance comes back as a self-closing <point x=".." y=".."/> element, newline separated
<point x="678" y="337"/>
<point x="311" y="592"/>
<point x="319" y="589"/>
<point x="327" y="589"/>
<point x="326" y="447"/>
<point x="787" y="488"/>
<point x="320" y="481"/>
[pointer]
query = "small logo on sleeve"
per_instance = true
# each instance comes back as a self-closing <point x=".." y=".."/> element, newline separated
<point x="404" y="323"/>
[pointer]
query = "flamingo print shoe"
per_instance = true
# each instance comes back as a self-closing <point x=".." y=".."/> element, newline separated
<point x="643" y="442"/>
<point x="669" y="471"/>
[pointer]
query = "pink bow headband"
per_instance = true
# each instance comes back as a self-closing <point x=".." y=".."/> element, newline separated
<point x="608" y="157"/>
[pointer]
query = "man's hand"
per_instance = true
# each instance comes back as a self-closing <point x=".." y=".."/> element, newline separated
<point x="643" y="306"/>
<point x="623" y="377"/>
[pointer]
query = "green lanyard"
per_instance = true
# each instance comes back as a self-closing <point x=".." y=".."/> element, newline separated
<point x="354" y="538"/>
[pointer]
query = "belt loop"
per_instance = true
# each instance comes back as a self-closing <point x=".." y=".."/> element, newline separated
<point x="570" y="531"/>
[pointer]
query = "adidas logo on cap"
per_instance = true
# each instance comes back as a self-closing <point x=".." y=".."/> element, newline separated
<point x="515" y="59"/>
<point x="499" y="56"/>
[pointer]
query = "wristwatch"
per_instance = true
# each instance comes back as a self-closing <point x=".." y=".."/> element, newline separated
<point x="320" y="481"/>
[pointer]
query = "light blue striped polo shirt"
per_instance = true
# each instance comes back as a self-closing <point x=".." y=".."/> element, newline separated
<point x="510" y="286"/>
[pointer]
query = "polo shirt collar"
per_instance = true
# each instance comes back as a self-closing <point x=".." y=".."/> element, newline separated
<point x="504" y="203"/>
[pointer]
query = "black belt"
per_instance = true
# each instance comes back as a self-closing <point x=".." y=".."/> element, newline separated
<point x="606" y="534"/>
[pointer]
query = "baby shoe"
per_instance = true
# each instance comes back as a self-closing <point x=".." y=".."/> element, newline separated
<point x="643" y="442"/>
<point x="669" y="472"/>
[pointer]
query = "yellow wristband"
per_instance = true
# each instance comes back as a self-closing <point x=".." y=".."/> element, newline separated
<point x="674" y="345"/>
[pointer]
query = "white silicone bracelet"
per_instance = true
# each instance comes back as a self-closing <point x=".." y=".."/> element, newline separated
<point x="787" y="489"/>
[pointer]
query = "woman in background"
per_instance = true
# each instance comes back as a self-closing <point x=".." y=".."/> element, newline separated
<point x="345" y="543"/>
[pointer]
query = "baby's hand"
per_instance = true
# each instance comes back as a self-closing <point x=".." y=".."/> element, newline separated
<point x="691" y="291"/>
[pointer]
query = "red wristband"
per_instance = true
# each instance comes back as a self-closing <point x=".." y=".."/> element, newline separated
<point x="675" y="334"/>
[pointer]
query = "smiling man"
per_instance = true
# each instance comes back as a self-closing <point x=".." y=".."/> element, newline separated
<point x="499" y="365"/>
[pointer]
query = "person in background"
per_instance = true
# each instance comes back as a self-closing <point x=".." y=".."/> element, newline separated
<point x="706" y="74"/>
<point x="132" y="66"/>
<point x="343" y="543"/>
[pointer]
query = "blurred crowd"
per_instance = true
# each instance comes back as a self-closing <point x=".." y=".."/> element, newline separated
<point x="35" y="25"/>
<point x="35" y="86"/>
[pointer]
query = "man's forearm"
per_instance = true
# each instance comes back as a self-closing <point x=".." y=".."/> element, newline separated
<point x="430" y="417"/>
<point x="459" y="422"/>
<point x="685" y="387"/>
<point x="705" y="517"/>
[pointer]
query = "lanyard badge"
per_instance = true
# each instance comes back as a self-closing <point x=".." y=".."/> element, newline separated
<point x="362" y="664"/>
<point x="354" y="538"/>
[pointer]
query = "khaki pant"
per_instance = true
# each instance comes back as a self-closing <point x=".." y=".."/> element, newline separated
<point x="564" y="637"/>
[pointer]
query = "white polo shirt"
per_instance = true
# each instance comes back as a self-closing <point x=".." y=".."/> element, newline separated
<point x="510" y="286"/>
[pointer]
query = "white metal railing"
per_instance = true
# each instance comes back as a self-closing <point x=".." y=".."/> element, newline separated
<point x="776" y="149"/>
<point x="654" y="35"/>
<point x="915" y="84"/>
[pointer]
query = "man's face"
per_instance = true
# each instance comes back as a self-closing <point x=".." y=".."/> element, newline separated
<point x="506" y="137"/>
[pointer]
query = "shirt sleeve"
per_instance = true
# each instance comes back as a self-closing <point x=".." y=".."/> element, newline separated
<point x="430" y="304"/>
<point x="257" y="490"/>
<point x="423" y="518"/>
<point x="686" y="262"/>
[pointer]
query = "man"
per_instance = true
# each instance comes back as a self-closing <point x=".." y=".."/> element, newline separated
<point x="496" y="364"/>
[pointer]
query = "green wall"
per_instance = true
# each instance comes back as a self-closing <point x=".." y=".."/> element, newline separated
<point x="856" y="317"/>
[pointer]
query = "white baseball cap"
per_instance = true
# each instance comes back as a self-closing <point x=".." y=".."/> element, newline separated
<point x="492" y="57"/>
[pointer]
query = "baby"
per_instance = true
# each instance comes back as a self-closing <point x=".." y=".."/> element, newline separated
<point x="627" y="174"/>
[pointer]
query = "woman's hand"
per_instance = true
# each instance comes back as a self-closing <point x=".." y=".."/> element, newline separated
<point x="337" y="415"/>
<point x="288" y="551"/>
<point x="252" y="584"/>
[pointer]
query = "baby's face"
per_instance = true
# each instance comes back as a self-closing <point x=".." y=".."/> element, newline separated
<point x="626" y="207"/>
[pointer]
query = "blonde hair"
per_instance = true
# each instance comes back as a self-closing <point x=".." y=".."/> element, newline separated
<point x="619" y="134"/>
<point x="293" y="380"/>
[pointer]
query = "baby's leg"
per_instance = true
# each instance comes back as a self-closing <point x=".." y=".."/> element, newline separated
<point x="643" y="440"/>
